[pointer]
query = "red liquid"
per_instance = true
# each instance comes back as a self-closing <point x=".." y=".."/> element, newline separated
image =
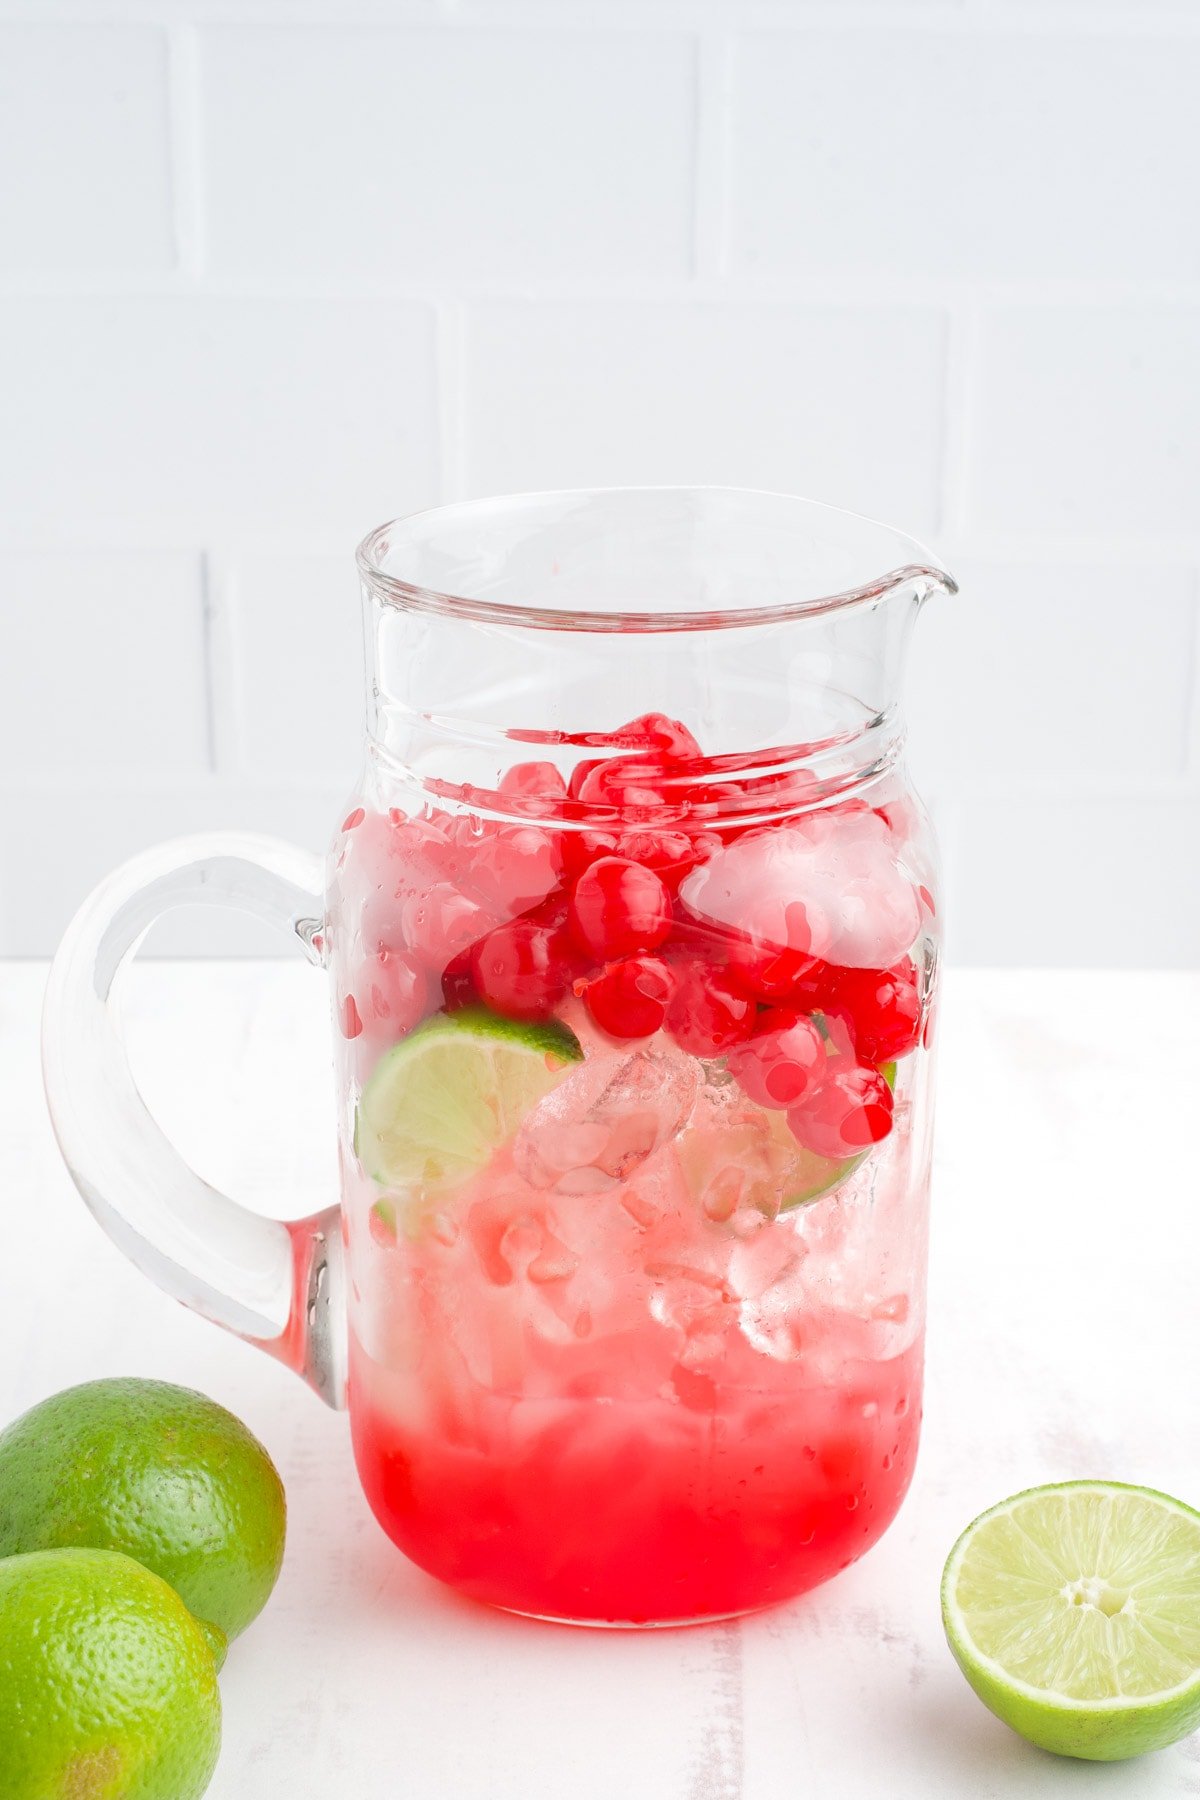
<point x="645" y="1511"/>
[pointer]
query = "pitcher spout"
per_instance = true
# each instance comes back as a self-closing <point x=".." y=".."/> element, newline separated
<point x="931" y="578"/>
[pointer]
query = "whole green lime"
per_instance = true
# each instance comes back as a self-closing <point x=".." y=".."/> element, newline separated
<point x="108" y="1690"/>
<point x="159" y="1472"/>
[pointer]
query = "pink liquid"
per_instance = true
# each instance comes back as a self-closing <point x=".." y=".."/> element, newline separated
<point x="658" y="1359"/>
<point x="610" y="1407"/>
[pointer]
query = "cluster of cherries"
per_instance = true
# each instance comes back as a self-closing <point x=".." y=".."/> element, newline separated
<point x="519" y="915"/>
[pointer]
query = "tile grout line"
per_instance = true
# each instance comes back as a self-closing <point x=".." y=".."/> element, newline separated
<point x="1025" y="293"/>
<point x="1060" y="550"/>
<point x="185" y="148"/>
<point x="766" y="15"/>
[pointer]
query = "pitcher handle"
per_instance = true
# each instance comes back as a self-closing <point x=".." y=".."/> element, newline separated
<point x="277" y="1284"/>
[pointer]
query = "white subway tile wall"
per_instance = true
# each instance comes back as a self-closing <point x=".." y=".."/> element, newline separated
<point x="296" y="663"/>
<point x="84" y="128"/>
<point x="845" y="403"/>
<point x="965" y="153"/>
<point x="457" y="155"/>
<point x="273" y="270"/>
<point x="101" y="651"/>
<point x="1088" y="419"/>
<point x="200" y="418"/>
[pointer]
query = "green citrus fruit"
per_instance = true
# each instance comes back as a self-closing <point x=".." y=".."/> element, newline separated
<point x="1074" y="1612"/>
<point x="108" y="1690"/>
<point x="160" y="1472"/>
<point x="441" y="1101"/>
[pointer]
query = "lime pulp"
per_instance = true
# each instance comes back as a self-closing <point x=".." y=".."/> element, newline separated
<point x="1074" y="1612"/>
<point x="441" y="1101"/>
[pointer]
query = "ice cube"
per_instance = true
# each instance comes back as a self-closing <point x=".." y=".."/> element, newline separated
<point x="777" y="1323"/>
<point x="553" y="1262"/>
<point x="606" y="1120"/>
<point x="827" y="885"/>
<point x="757" y="1264"/>
<point x="689" y="1300"/>
<point x="774" y="1289"/>
<point x="737" y="1161"/>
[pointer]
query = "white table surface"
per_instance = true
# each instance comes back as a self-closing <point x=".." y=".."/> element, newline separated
<point x="1064" y="1341"/>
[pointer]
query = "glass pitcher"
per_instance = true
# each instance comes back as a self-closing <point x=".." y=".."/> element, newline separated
<point x="632" y="934"/>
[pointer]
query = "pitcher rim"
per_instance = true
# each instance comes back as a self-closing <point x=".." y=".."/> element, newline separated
<point x="925" y="569"/>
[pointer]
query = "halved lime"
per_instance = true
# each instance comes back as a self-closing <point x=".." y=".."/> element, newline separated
<point x="810" y="1177"/>
<point x="440" y="1102"/>
<point x="1074" y="1612"/>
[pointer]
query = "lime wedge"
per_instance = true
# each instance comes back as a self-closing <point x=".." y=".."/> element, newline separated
<point x="810" y="1177"/>
<point x="440" y="1102"/>
<point x="1074" y="1613"/>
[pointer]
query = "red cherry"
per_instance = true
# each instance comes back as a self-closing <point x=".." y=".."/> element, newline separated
<point x="619" y="907"/>
<point x="630" y="999"/>
<point x="523" y="969"/>
<point x="446" y="851"/>
<point x="671" y="854"/>
<point x="582" y="848"/>
<point x="783" y="1060"/>
<point x="534" y="790"/>
<point x="691" y="940"/>
<point x="715" y="800"/>
<point x="514" y="868"/>
<point x="393" y="990"/>
<point x="663" y="734"/>
<point x="881" y="1007"/>
<point x="533" y="781"/>
<point x="770" y="970"/>
<point x="579" y="775"/>
<point x="816" y="987"/>
<point x="705" y="844"/>
<point x="440" y="923"/>
<point x="850" y="1110"/>
<point x="707" y="1014"/>
<point x="625" y="784"/>
<point x="841" y="1038"/>
<point x="458" y="983"/>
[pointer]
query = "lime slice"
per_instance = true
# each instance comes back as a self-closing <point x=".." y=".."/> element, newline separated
<point x="810" y="1177"/>
<point x="1074" y="1613"/>
<point x="439" y="1103"/>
